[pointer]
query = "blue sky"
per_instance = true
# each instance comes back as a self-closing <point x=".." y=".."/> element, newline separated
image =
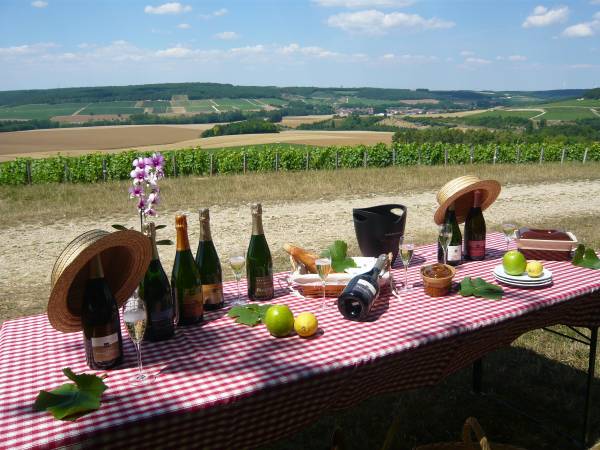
<point x="437" y="44"/>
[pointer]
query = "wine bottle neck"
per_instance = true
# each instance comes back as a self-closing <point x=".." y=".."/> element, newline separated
<point x="150" y="230"/>
<point x="205" y="234"/>
<point x="477" y="199"/>
<point x="182" y="239"/>
<point x="96" y="268"/>
<point x="257" y="226"/>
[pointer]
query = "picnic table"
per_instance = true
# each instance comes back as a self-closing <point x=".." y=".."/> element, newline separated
<point x="221" y="376"/>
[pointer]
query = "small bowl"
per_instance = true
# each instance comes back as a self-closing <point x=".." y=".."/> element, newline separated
<point x="437" y="287"/>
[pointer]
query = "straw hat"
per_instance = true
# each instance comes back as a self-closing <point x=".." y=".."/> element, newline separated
<point x="460" y="192"/>
<point x="125" y="258"/>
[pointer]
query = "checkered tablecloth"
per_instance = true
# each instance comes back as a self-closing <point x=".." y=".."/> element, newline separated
<point x="224" y="385"/>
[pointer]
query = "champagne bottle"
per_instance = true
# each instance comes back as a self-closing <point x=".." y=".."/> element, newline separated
<point x="359" y="295"/>
<point x="259" y="265"/>
<point x="209" y="265"/>
<point x="156" y="293"/>
<point x="100" y="319"/>
<point x="475" y="231"/>
<point x="185" y="279"/>
<point x="454" y="256"/>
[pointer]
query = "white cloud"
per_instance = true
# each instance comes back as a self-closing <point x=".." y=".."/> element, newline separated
<point x="477" y="61"/>
<point x="364" y="3"/>
<point x="217" y="13"/>
<point x="39" y="4"/>
<point x="310" y="51"/>
<point x="184" y="26"/>
<point x="26" y="49"/>
<point x="542" y="16"/>
<point x="594" y="2"/>
<point x="582" y="66"/>
<point x="377" y="22"/>
<point x="168" y="8"/>
<point x="409" y="58"/>
<point x="226" y="35"/>
<point x="579" y="30"/>
<point x="467" y="53"/>
<point x="174" y="52"/>
<point x="517" y="58"/>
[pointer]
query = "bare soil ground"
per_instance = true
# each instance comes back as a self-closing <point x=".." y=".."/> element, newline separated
<point x="294" y="121"/>
<point x="74" y="141"/>
<point x="24" y="287"/>
<point x="81" y="118"/>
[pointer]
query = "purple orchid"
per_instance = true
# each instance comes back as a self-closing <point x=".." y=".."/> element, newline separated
<point x="146" y="173"/>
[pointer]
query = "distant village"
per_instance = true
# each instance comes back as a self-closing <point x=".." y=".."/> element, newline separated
<point x="396" y="111"/>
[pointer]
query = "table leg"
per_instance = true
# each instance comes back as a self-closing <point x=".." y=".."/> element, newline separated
<point x="590" y="381"/>
<point x="478" y="376"/>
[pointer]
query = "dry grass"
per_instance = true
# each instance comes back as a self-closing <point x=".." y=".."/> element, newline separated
<point x="294" y="121"/>
<point x="37" y="203"/>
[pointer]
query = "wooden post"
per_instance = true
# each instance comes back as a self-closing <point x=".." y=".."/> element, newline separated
<point x="445" y="156"/>
<point x="472" y="156"/>
<point x="542" y="155"/>
<point x="28" y="171"/>
<point x="562" y="155"/>
<point x="495" y="155"/>
<point x="307" y="161"/>
<point x="276" y="161"/>
<point x="66" y="173"/>
<point x="518" y="153"/>
<point x="365" y="156"/>
<point x="393" y="156"/>
<point x="245" y="163"/>
<point x="211" y="164"/>
<point x="585" y="155"/>
<point x="337" y="159"/>
<point x="103" y="169"/>
<point x="174" y="165"/>
<point x="420" y="151"/>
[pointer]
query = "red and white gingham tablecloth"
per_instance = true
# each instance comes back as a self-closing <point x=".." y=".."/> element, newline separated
<point x="224" y="385"/>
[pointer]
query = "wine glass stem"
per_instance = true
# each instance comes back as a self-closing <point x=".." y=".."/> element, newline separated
<point x="138" y="348"/>
<point x="405" y="276"/>
<point x="238" y="288"/>
<point x="323" y="303"/>
<point x="445" y="251"/>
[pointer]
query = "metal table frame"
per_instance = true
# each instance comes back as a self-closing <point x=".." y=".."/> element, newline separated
<point x="591" y="340"/>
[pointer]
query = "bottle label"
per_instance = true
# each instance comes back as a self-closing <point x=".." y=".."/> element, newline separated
<point x="105" y="348"/>
<point x="364" y="284"/>
<point x="476" y="249"/>
<point x="212" y="293"/>
<point x="454" y="253"/>
<point x="263" y="287"/>
<point x="193" y="303"/>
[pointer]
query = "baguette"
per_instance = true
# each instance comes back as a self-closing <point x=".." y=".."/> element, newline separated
<point x="302" y="256"/>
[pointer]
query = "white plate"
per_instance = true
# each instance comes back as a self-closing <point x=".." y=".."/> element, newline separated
<point x="500" y="273"/>
<point x="525" y="285"/>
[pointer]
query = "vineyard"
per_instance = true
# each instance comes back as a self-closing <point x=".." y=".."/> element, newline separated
<point x="196" y="161"/>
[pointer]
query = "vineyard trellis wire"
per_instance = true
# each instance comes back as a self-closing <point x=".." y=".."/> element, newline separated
<point x="96" y="167"/>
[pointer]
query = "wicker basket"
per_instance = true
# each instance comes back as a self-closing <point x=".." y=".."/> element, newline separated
<point x="470" y="427"/>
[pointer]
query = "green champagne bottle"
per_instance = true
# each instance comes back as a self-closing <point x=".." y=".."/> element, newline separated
<point x="455" y="244"/>
<point x="156" y="293"/>
<point x="259" y="265"/>
<point x="185" y="280"/>
<point x="209" y="265"/>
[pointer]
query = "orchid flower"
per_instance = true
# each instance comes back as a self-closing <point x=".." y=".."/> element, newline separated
<point x="146" y="173"/>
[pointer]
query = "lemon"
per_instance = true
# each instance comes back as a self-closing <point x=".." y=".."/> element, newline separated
<point x="535" y="269"/>
<point x="306" y="324"/>
<point x="279" y="320"/>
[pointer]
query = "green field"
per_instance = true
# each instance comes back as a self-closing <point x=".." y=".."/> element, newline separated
<point x="196" y="106"/>
<point x="568" y="113"/>
<point x="503" y="113"/>
<point x="41" y="111"/>
<point x="228" y="104"/>
<point x="158" y="107"/>
<point x="124" y="107"/>
<point x="574" y="102"/>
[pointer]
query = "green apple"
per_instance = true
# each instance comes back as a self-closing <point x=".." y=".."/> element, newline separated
<point x="514" y="262"/>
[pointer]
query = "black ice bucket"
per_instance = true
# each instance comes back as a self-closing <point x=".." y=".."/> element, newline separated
<point x="379" y="229"/>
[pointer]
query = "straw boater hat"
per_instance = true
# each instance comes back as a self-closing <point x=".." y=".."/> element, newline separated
<point x="460" y="192"/>
<point x="125" y="257"/>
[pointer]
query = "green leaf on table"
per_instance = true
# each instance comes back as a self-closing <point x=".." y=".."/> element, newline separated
<point x="338" y="253"/>
<point x="250" y="315"/>
<point x="72" y="400"/>
<point x="586" y="257"/>
<point x="478" y="287"/>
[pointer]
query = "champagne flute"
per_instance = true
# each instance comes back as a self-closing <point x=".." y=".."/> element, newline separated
<point x="509" y="230"/>
<point x="135" y="318"/>
<point x="323" y="269"/>
<point x="444" y="239"/>
<point x="406" y="254"/>
<point x="237" y="264"/>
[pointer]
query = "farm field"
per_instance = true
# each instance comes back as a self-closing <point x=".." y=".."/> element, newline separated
<point x="72" y="141"/>
<point x="294" y="121"/>
<point x="41" y="111"/>
<point x="521" y="113"/>
<point x="568" y="113"/>
<point x="124" y="107"/>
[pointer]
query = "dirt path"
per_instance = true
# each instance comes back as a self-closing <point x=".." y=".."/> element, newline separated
<point x="79" y="110"/>
<point x="24" y="286"/>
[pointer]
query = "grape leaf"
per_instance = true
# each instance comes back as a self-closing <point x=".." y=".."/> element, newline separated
<point x="251" y="314"/>
<point x="71" y="401"/>
<point x="586" y="258"/>
<point x="160" y="227"/>
<point x="338" y="253"/>
<point x="478" y="287"/>
<point x="119" y="227"/>
<point x="165" y="242"/>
